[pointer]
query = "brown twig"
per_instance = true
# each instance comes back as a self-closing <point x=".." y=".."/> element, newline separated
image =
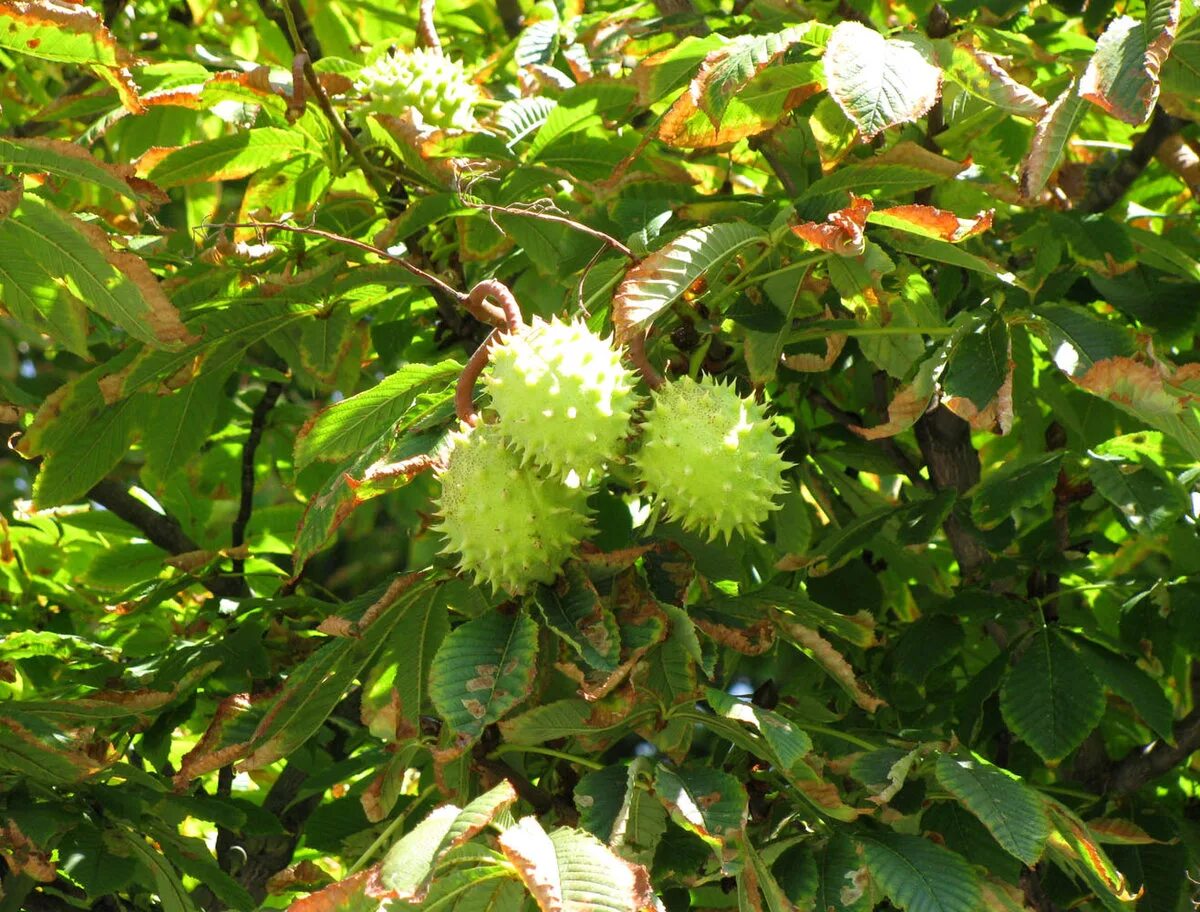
<point x="464" y="390"/>
<point x="1145" y="764"/>
<point x="296" y="38"/>
<point x="299" y="100"/>
<point x="426" y="28"/>
<point x="561" y="220"/>
<point x="295" y="25"/>
<point x="635" y="347"/>
<point x="429" y="277"/>
<point x="258" y="421"/>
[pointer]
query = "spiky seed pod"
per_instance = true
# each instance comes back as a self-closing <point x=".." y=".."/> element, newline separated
<point x="563" y="397"/>
<point x="437" y="87"/>
<point x="712" y="457"/>
<point x="510" y="525"/>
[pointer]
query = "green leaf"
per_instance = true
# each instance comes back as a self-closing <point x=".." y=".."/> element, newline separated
<point x="978" y="363"/>
<point x="178" y="424"/>
<point x="574" y="610"/>
<point x="569" y="870"/>
<point x="1122" y="76"/>
<point x="1013" y="813"/>
<point x="981" y="74"/>
<point x="231" y="157"/>
<point x="709" y="803"/>
<point x="617" y="807"/>
<point x="1076" y="849"/>
<point x="409" y="864"/>
<point x="727" y="70"/>
<point x="1145" y="496"/>
<point x="1050" y="140"/>
<point x="1079" y="338"/>
<point x="29" y="756"/>
<point x="1050" y="697"/>
<point x="1023" y="483"/>
<point x="927" y="248"/>
<point x="920" y="876"/>
<point x="350" y="426"/>
<point x="38" y="155"/>
<point x="1129" y="682"/>
<point x="787" y="744"/>
<point x="67" y="33"/>
<point x="657" y="281"/>
<point x="880" y="82"/>
<point x="43" y="249"/>
<point x="483" y="669"/>
<point x="170" y="890"/>
<point x="843" y="883"/>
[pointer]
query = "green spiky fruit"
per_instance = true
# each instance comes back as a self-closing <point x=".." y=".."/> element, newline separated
<point x="510" y="525"/>
<point x="434" y="86"/>
<point x="712" y="457"/>
<point x="563" y="397"/>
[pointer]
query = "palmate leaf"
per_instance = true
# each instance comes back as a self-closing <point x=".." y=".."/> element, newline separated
<point x="920" y="876"/>
<point x="571" y="871"/>
<point x="1050" y="697"/>
<point x="657" y="281"/>
<point x="57" y="31"/>
<point x="1013" y="813"/>
<point x="880" y="82"/>
<point x="228" y="157"/>
<point x="483" y="669"/>
<point x="39" y="155"/>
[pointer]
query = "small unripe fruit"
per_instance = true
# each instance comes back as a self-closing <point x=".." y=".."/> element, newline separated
<point x="712" y="457"/>
<point x="563" y="397"/>
<point x="510" y="525"/>
<point x="434" y="86"/>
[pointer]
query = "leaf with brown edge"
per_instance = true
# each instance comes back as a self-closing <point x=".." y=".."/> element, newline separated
<point x="825" y="655"/>
<point x="842" y="231"/>
<point x="1116" y="831"/>
<point x="57" y="30"/>
<point x="1159" y="394"/>
<point x="662" y="277"/>
<point x="1076" y="847"/>
<point x="569" y="870"/>
<point x="929" y="221"/>
<point x="362" y="892"/>
<point x="160" y="317"/>
<point x="708" y="802"/>
<point x="1122" y="75"/>
<point x="1050" y="139"/>
<point x="981" y="74"/>
<point x="909" y="404"/>
<point x="996" y="416"/>
<point x="815" y="364"/>
<point x="218" y="747"/>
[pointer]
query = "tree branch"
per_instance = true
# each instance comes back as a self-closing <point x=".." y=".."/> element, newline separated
<point x="306" y="40"/>
<point x="159" y="528"/>
<point x="1145" y="764"/>
<point x="258" y="421"/>
<point x="945" y="442"/>
<point x="1110" y="188"/>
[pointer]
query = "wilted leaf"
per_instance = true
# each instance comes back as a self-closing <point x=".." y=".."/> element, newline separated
<point x="842" y="231"/>
<point x="1050" y="139"/>
<point x="1122" y="76"/>
<point x="981" y="74"/>
<point x="930" y="221"/>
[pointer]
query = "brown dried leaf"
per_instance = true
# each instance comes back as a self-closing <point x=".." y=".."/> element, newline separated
<point x="842" y="231"/>
<point x="815" y="364"/>
<point x="207" y="755"/>
<point x="906" y="407"/>
<point x="930" y="221"/>
<point x="338" y="897"/>
<point x="23" y="857"/>
<point x="306" y="875"/>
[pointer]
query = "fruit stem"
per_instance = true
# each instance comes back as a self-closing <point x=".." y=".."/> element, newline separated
<point x="508" y="314"/>
<point x="636" y="348"/>
<point x="464" y="390"/>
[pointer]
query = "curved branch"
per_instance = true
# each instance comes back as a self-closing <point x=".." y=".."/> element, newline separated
<point x="464" y="390"/>
<point x="636" y="348"/>
<point x="1145" y="764"/>
<point x="1112" y="187"/>
<point x="509" y="311"/>
<point x="426" y="28"/>
<point x="258" y="422"/>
